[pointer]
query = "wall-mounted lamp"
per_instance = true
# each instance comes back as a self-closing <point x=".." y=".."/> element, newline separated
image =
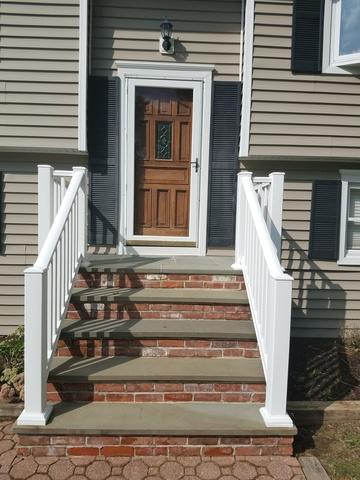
<point x="166" y="45"/>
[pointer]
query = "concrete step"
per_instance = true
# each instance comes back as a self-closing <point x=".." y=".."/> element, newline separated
<point x="161" y="369"/>
<point x="161" y="295"/>
<point x="188" y="265"/>
<point x="179" y="329"/>
<point x="180" y="419"/>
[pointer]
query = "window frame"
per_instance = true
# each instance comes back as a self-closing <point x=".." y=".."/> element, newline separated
<point x="333" y="62"/>
<point x="349" y="179"/>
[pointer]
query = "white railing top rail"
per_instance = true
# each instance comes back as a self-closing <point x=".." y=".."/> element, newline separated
<point x="49" y="246"/>
<point x="275" y="268"/>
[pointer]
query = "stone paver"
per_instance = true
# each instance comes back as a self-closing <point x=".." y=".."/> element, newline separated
<point x="13" y="467"/>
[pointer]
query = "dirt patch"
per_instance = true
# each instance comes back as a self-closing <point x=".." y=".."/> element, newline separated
<point x="336" y="446"/>
<point x="324" y="369"/>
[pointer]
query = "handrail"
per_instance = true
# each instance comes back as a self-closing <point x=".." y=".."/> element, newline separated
<point x="268" y="288"/>
<point x="48" y="283"/>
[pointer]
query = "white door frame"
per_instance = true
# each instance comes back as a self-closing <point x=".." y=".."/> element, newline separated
<point x="193" y="76"/>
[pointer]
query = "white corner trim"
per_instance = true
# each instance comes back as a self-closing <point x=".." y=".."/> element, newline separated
<point x="242" y="27"/>
<point x="247" y="78"/>
<point x="82" y="84"/>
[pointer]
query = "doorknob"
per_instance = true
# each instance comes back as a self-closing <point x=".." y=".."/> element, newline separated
<point x="197" y="165"/>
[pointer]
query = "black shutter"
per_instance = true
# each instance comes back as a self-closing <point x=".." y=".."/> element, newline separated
<point x="325" y="220"/>
<point x="224" y="161"/>
<point x="103" y="141"/>
<point x="307" y="36"/>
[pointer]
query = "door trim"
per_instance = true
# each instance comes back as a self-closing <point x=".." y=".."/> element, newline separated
<point x="198" y="77"/>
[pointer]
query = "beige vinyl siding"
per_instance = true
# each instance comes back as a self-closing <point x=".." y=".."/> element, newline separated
<point x="205" y="32"/>
<point x="313" y="115"/>
<point x="18" y="244"/>
<point x="39" y="73"/>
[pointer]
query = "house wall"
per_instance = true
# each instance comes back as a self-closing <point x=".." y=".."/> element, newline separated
<point x="307" y="115"/>
<point x="18" y="223"/>
<point x="39" y="73"/>
<point x="326" y="296"/>
<point x="205" y="32"/>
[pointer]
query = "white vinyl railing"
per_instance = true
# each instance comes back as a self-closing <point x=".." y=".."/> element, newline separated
<point x="257" y="247"/>
<point x="48" y="283"/>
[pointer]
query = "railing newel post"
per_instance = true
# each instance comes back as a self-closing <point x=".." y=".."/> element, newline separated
<point x="45" y="202"/>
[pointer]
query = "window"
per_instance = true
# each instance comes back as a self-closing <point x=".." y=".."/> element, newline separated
<point x="349" y="250"/>
<point x="341" y="36"/>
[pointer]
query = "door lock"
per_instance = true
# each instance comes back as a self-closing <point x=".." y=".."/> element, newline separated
<point x="196" y="164"/>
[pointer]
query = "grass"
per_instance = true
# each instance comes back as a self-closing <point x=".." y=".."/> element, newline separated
<point x="337" y="446"/>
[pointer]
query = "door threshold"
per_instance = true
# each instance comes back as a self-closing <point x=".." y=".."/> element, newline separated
<point x="159" y="243"/>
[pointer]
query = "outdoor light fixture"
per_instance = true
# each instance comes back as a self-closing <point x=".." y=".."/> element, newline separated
<point x="166" y="42"/>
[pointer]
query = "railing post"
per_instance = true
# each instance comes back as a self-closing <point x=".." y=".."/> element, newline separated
<point x="275" y="203"/>
<point x="82" y="212"/>
<point x="274" y="413"/>
<point x="36" y="410"/>
<point x="239" y="219"/>
<point x="45" y="202"/>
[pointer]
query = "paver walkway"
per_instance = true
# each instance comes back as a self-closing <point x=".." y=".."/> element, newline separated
<point x="145" y="468"/>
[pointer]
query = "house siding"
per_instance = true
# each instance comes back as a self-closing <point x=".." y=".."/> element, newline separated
<point x="204" y="31"/>
<point x="39" y="73"/>
<point x="303" y="115"/>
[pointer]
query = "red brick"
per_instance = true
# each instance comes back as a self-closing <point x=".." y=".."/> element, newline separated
<point x="148" y="397"/>
<point x="117" y="451"/>
<point x="178" y="397"/>
<point x="144" y="451"/>
<point x="169" y="387"/>
<point x="170" y="440"/>
<point x="199" y="387"/>
<point x="184" y="451"/>
<point x="284" y="450"/>
<point x="207" y="397"/>
<point x="227" y="387"/>
<point x="235" y="440"/>
<point x="120" y="397"/>
<point x="198" y="343"/>
<point x="286" y="440"/>
<point x="83" y="451"/>
<point x="103" y="440"/>
<point x="203" y="440"/>
<point x="236" y="397"/>
<point x="139" y="387"/>
<point x="266" y="441"/>
<point x="49" y="451"/>
<point x="30" y="440"/>
<point x="109" y="387"/>
<point x="137" y="440"/>
<point x="248" y="451"/>
<point x="161" y="451"/>
<point x="217" y="451"/>
<point x="67" y="440"/>
<point x="171" y="343"/>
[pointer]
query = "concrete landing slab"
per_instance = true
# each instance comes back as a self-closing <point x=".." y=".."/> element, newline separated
<point x="208" y="419"/>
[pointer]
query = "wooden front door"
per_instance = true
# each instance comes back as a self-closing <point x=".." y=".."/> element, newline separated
<point x="163" y="138"/>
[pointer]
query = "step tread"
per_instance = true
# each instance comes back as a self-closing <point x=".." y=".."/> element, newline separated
<point x="156" y="419"/>
<point x="147" y="369"/>
<point x="161" y="295"/>
<point x="185" y="264"/>
<point x="128" y="329"/>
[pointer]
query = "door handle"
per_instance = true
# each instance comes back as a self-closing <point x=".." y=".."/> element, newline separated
<point x="196" y="164"/>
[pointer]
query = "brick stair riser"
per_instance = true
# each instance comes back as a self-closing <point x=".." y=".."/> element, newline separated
<point x="142" y="311"/>
<point x="163" y="280"/>
<point x="143" y="446"/>
<point x="157" y="348"/>
<point x="156" y="392"/>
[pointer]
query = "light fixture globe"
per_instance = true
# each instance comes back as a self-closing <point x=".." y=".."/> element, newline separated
<point x="166" y="32"/>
